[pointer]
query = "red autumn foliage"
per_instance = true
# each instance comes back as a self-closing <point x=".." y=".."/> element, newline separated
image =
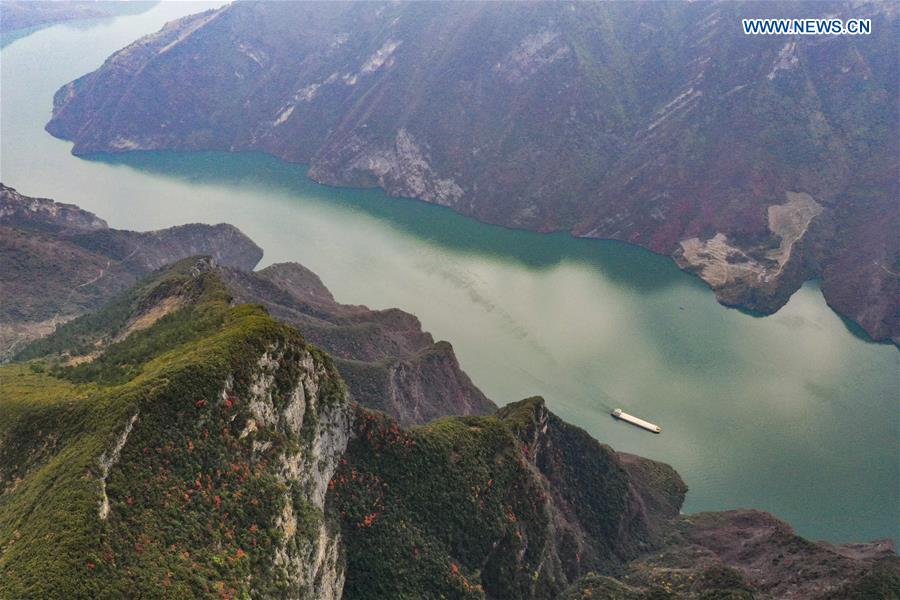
<point x="368" y="520"/>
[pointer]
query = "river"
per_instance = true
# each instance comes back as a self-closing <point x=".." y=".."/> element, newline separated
<point x="794" y="413"/>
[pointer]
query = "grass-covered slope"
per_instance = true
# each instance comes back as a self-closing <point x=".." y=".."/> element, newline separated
<point x="188" y="459"/>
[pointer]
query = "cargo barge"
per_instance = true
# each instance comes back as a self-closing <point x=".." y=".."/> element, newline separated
<point x="624" y="416"/>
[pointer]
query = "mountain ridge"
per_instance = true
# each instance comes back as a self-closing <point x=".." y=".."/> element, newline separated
<point x="603" y="120"/>
<point x="389" y="362"/>
<point x="61" y="261"/>
<point x="214" y="453"/>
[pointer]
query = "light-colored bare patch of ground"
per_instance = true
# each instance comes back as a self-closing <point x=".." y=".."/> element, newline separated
<point x="790" y="221"/>
<point x="712" y="258"/>
<point x="721" y="263"/>
<point x="15" y="336"/>
<point x="149" y="317"/>
<point x="84" y="358"/>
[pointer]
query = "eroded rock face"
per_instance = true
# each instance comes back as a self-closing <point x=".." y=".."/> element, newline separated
<point x="754" y="277"/>
<point x="402" y="169"/>
<point x="604" y="512"/>
<point x="296" y="426"/>
<point x="751" y="554"/>
<point x="650" y="123"/>
<point x="25" y="211"/>
<point x="310" y="562"/>
<point x="516" y="505"/>
<point x="190" y="456"/>
<point x="217" y="453"/>
<point x="388" y="362"/>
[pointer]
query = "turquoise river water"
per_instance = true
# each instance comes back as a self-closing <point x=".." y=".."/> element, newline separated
<point x="794" y="413"/>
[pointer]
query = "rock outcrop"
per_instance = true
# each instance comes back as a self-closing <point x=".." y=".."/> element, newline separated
<point x="61" y="261"/>
<point x="388" y="362"/>
<point x="748" y="554"/>
<point x="208" y="447"/>
<point x="206" y="450"/>
<point x="524" y="505"/>
<point x="659" y="124"/>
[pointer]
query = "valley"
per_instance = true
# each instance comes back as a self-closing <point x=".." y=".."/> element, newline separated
<point x="757" y="416"/>
<point x="192" y="445"/>
<point x="793" y="413"/>
<point x="564" y="120"/>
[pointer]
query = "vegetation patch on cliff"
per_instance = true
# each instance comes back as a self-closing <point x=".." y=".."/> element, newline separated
<point x="135" y="475"/>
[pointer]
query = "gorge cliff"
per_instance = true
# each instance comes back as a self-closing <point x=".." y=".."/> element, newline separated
<point x="756" y="162"/>
<point x="212" y="452"/>
<point x="60" y="261"/>
<point x="188" y="456"/>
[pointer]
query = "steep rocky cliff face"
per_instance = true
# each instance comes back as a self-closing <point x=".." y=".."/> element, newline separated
<point x="524" y="505"/>
<point x="757" y="162"/>
<point x="388" y="362"/>
<point x="177" y="444"/>
<point x="190" y="458"/>
<point x="59" y="261"/>
<point x="515" y="505"/>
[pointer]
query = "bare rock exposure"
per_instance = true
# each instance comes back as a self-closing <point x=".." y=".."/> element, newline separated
<point x="660" y="124"/>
